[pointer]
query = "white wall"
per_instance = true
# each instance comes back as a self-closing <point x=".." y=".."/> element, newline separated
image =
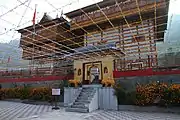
<point x="107" y="99"/>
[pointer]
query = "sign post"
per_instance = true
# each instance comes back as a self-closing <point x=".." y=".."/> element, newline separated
<point x="56" y="93"/>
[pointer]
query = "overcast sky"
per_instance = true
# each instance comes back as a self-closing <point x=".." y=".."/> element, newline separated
<point x="9" y="21"/>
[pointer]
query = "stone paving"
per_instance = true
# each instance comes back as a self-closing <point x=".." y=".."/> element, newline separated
<point x="15" y="111"/>
<point x="20" y="111"/>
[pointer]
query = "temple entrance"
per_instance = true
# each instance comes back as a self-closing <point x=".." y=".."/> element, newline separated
<point x="92" y="73"/>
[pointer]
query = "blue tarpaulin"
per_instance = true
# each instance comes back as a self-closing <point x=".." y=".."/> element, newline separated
<point x="94" y="48"/>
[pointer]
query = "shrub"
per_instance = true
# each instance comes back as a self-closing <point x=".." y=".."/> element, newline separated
<point x="3" y="93"/>
<point x="40" y="93"/>
<point x="124" y="97"/>
<point x="120" y="93"/>
<point x="131" y="98"/>
<point x="174" y="91"/>
<point x="24" y="92"/>
<point x="149" y="94"/>
<point x="159" y="93"/>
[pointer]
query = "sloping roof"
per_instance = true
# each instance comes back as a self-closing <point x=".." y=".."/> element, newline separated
<point x="45" y="21"/>
<point x="46" y="18"/>
<point x="101" y="4"/>
<point x="92" y="7"/>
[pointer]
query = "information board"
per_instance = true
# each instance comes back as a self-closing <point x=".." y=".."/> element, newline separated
<point x="56" y="91"/>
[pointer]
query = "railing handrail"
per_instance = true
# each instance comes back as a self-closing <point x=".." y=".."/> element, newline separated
<point x="34" y="72"/>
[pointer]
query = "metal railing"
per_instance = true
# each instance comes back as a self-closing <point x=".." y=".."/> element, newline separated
<point x="47" y="71"/>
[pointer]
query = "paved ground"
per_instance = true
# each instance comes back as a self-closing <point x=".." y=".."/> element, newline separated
<point x="19" y="111"/>
<point x="15" y="111"/>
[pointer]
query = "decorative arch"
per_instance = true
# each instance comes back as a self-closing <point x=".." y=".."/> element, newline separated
<point x="79" y="72"/>
<point x="105" y="70"/>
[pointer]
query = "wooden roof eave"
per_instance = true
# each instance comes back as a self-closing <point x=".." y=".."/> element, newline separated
<point x="92" y="7"/>
<point x="39" y="25"/>
<point x="117" y="15"/>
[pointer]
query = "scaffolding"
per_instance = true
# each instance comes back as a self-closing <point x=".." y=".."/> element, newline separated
<point x="134" y="26"/>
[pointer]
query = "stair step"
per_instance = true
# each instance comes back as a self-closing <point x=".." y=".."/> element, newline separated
<point x="85" y="88"/>
<point x="83" y="101"/>
<point x="78" y="103"/>
<point x="88" y="89"/>
<point x="81" y="110"/>
<point x="84" y="98"/>
<point x="87" y="92"/>
<point x="79" y="106"/>
<point x="91" y="93"/>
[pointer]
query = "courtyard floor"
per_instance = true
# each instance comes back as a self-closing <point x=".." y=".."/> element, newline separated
<point x="20" y="111"/>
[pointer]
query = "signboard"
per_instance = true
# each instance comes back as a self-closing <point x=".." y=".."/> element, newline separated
<point x="56" y="91"/>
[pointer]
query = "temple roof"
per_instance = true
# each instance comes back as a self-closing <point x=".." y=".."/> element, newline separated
<point x="45" y="21"/>
<point x="92" y="7"/>
<point x="46" y="18"/>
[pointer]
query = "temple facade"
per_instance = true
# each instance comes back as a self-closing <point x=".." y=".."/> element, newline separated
<point x="112" y="35"/>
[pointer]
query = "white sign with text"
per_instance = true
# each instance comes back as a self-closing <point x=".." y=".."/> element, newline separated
<point x="56" y="91"/>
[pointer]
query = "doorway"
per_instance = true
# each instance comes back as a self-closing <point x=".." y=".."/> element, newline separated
<point x="92" y="72"/>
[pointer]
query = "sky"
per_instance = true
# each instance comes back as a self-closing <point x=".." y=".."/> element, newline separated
<point x="21" y="16"/>
<point x="14" y="14"/>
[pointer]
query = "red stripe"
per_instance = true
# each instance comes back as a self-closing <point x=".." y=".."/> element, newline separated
<point x="116" y="74"/>
<point x="147" y="72"/>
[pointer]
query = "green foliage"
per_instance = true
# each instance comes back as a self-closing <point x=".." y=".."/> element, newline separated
<point x="150" y="94"/>
<point x="26" y="92"/>
<point x="124" y="97"/>
<point x="158" y="93"/>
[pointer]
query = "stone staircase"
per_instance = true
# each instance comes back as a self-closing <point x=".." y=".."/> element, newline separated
<point x="82" y="103"/>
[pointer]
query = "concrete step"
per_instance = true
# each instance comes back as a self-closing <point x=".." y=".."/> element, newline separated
<point x="88" y="93"/>
<point x="79" y="106"/>
<point x="79" y="103"/>
<point x="83" y="101"/>
<point x="81" y="110"/>
<point x="88" y="89"/>
<point x="84" y="98"/>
